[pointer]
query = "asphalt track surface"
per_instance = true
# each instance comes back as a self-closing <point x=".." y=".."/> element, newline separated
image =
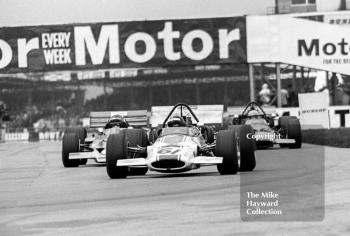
<point x="40" y="197"/>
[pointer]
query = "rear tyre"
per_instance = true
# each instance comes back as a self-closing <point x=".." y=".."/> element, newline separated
<point x="70" y="143"/>
<point x="294" y="132"/>
<point x="116" y="149"/>
<point x="153" y="135"/>
<point x="208" y="134"/>
<point x="137" y="137"/>
<point x="283" y="124"/>
<point x="226" y="147"/>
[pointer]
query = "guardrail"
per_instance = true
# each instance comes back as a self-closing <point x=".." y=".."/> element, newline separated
<point x="30" y="136"/>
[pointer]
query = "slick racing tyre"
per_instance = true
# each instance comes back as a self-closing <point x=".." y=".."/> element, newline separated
<point x="208" y="134"/>
<point x="226" y="147"/>
<point x="153" y="135"/>
<point x="291" y="127"/>
<point x="79" y="131"/>
<point x="70" y="143"/>
<point x="283" y="124"/>
<point x="137" y="137"/>
<point x="83" y="162"/>
<point x="246" y="146"/>
<point x="294" y="132"/>
<point x="116" y="149"/>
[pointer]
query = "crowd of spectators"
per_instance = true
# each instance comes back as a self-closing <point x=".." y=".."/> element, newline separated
<point x="40" y="111"/>
<point x="45" y="110"/>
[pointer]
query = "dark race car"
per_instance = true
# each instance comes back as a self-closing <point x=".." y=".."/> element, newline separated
<point x="286" y="133"/>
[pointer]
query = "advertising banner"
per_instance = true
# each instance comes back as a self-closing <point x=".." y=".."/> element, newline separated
<point x="314" y="109"/>
<point x="122" y="44"/>
<point x="297" y="41"/>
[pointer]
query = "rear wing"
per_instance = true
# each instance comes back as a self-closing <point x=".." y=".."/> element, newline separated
<point x="207" y="114"/>
<point x="136" y="118"/>
<point x="269" y="110"/>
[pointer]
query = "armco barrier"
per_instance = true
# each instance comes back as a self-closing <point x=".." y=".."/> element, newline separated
<point x="17" y="136"/>
<point x="2" y="135"/>
<point x="32" y="136"/>
<point x="50" y="136"/>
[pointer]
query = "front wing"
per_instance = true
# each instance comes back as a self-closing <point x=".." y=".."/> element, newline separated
<point x="98" y="157"/>
<point x="199" y="160"/>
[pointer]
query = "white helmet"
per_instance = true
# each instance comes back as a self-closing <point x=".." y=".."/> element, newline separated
<point x="253" y="113"/>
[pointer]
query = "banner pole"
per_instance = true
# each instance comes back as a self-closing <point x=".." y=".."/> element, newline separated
<point x="278" y="79"/>
<point x="251" y="82"/>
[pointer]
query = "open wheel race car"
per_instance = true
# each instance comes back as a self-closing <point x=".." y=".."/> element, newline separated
<point x="179" y="146"/>
<point x="286" y="133"/>
<point x="77" y="147"/>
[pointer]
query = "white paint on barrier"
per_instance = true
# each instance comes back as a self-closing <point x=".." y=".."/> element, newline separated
<point x="18" y="136"/>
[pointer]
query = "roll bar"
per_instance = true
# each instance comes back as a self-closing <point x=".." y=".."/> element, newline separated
<point x="176" y="106"/>
<point x="251" y="105"/>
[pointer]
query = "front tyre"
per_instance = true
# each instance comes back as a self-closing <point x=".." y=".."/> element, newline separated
<point x="83" y="162"/>
<point x="79" y="131"/>
<point x="226" y="147"/>
<point x="70" y="143"/>
<point x="247" y="148"/>
<point x="116" y="149"/>
<point x="137" y="137"/>
<point x="208" y="134"/>
<point x="294" y="132"/>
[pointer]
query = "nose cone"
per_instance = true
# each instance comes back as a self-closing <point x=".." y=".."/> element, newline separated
<point x="172" y="159"/>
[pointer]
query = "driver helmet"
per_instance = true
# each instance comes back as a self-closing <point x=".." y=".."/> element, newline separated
<point x="100" y="131"/>
<point x="176" y="121"/>
<point x="253" y="114"/>
<point x="118" y="120"/>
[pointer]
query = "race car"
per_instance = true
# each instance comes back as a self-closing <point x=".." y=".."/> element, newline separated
<point x="180" y="145"/>
<point x="77" y="147"/>
<point x="286" y="133"/>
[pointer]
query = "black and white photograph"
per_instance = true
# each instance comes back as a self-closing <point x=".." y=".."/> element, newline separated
<point x="174" y="117"/>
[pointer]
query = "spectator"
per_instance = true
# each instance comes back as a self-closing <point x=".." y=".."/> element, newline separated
<point x="284" y="97"/>
<point x="341" y="97"/>
<point x="292" y="97"/>
<point x="265" y="95"/>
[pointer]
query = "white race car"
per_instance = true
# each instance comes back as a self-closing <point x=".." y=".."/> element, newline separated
<point x="78" y="147"/>
<point x="180" y="146"/>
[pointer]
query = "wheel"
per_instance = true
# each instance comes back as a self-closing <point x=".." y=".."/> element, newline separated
<point x="79" y="131"/>
<point x="137" y="137"/>
<point x="247" y="148"/>
<point x="283" y="124"/>
<point x="226" y="147"/>
<point x="116" y="149"/>
<point x="153" y="135"/>
<point x="83" y="162"/>
<point x="294" y="132"/>
<point x="271" y="122"/>
<point x="70" y="143"/>
<point x="208" y="134"/>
